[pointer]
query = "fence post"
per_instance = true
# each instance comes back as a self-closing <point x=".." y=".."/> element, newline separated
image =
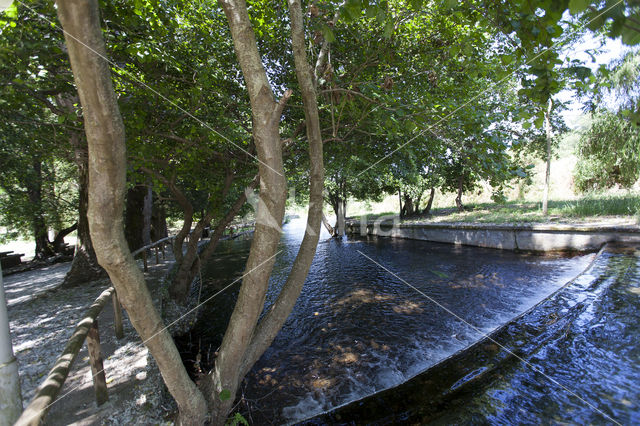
<point x="117" y="316"/>
<point x="164" y="257"/>
<point x="97" y="367"/>
<point x="157" y="255"/>
<point x="144" y="260"/>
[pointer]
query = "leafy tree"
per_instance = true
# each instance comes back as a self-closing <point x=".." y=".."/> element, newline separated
<point x="608" y="153"/>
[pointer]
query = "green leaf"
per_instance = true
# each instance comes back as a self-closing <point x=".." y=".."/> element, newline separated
<point x="12" y="11"/>
<point x="577" y="6"/>
<point x="328" y="34"/>
<point x="388" y="29"/>
<point x="225" y="394"/>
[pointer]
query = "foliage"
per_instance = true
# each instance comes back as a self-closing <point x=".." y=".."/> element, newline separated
<point x="609" y="153"/>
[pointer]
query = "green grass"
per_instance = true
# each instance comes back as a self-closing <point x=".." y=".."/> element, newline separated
<point x="591" y="206"/>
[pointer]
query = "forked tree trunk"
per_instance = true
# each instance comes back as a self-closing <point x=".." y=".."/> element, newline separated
<point x="266" y="114"/>
<point x="107" y="179"/>
<point x="275" y="318"/>
<point x="547" y="175"/>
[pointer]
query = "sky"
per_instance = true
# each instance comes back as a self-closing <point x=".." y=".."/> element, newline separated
<point x="611" y="50"/>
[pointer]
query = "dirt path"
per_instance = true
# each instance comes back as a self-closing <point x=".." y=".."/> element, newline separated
<point x="42" y="318"/>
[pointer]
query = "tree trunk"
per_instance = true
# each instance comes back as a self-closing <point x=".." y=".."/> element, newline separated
<point x="58" y="240"/>
<point x="341" y="213"/>
<point x="242" y="345"/>
<point x="107" y="180"/>
<point x="400" y="202"/>
<point x="547" y="176"/>
<point x="134" y="219"/>
<point x="146" y="216"/>
<point x="275" y="318"/>
<point x="158" y="222"/>
<point x="432" y="195"/>
<point x="38" y="223"/>
<point x="408" y="205"/>
<point x="266" y="115"/>
<point x="459" y="196"/>
<point x="327" y="225"/>
<point x="85" y="266"/>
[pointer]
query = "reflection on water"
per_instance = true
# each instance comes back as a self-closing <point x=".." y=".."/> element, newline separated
<point x="357" y="330"/>
<point x="578" y="362"/>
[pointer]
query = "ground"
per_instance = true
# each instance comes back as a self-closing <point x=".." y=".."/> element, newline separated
<point x="43" y="316"/>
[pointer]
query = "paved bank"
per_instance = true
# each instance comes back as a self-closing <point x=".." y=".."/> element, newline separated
<point x="526" y="237"/>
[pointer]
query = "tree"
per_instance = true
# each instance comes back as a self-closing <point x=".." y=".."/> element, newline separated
<point x="608" y="153"/>
<point x="38" y="98"/>
<point x="243" y="342"/>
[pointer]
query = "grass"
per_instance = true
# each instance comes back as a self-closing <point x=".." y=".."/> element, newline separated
<point x="590" y="207"/>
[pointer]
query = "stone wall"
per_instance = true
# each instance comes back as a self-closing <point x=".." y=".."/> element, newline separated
<point x="525" y="237"/>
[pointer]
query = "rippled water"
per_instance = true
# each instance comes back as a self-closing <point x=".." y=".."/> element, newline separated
<point x="357" y="329"/>
<point x="574" y="359"/>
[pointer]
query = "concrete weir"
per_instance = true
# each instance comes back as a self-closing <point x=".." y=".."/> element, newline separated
<point x="526" y="237"/>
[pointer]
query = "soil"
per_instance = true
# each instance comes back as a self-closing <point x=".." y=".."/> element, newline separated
<point x="42" y="317"/>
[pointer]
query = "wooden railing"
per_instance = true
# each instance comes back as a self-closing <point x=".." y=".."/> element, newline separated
<point x="87" y="329"/>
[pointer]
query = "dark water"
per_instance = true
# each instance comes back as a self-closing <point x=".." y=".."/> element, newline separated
<point x="357" y="330"/>
<point x="574" y="359"/>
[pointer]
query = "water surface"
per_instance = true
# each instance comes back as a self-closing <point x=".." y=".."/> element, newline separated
<point x="356" y="329"/>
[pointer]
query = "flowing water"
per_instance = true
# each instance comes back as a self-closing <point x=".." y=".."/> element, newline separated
<point x="573" y="359"/>
<point x="357" y="329"/>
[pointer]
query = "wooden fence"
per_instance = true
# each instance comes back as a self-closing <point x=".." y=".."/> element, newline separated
<point x="87" y="329"/>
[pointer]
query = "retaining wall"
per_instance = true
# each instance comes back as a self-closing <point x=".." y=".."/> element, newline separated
<point x="525" y="237"/>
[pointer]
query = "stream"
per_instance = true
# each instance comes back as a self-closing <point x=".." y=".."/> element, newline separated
<point x="357" y="330"/>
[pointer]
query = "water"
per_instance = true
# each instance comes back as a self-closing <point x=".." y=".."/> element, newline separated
<point x="357" y="330"/>
<point x="577" y="361"/>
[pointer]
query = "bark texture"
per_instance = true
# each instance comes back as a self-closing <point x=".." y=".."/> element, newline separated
<point x="427" y="209"/>
<point x="547" y="175"/>
<point x="85" y="266"/>
<point x="107" y="178"/>
<point x="266" y="113"/>
<point x="274" y="319"/>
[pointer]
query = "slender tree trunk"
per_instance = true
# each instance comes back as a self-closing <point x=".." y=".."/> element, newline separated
<point x="327" y="225"/>
<point x="38" y="223"/>
<point x="107" y="179"/>
<point x="432" y="195"/>
<point x="158" y="222"/>
<point x="400" y="203"/>
<point x="341" y="218"/>
<point x="459" y="196"/>
<point x="547" y="175"/>
<point x="134" y="216"/>
<point x="85" y="266"/>
<point x="146" y="216"/>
